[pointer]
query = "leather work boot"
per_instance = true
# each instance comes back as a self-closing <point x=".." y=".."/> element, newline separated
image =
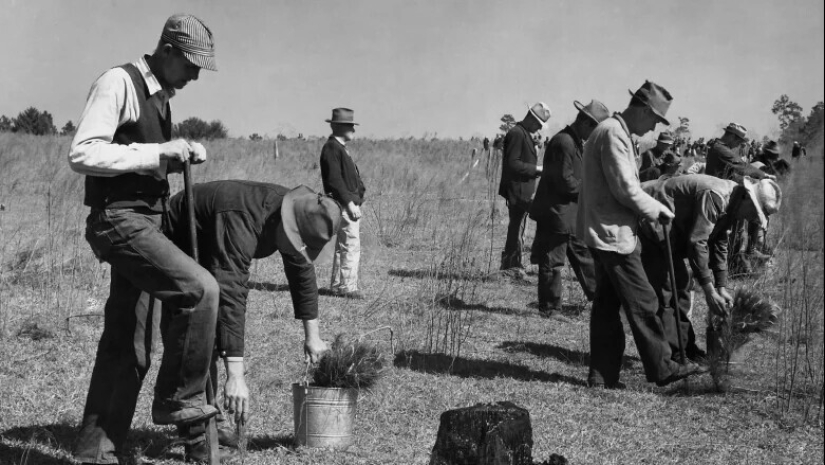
<point x="162" y="414"/>
<point x="682" y="372"/>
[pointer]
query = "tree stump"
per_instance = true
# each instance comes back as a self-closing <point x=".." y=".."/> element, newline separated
<point x="484" y="434"/>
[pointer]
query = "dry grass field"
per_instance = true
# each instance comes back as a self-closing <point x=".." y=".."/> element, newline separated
<point x="462" y="333"/>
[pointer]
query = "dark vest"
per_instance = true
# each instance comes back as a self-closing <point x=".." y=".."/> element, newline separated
<point x="133" y="190"/>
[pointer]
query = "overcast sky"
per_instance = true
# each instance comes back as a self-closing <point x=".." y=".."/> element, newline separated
<point x="449" y="67"/>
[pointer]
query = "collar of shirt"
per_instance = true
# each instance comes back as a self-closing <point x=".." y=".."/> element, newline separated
<point x="339" y="139"/>
<point x="152" y="83"/>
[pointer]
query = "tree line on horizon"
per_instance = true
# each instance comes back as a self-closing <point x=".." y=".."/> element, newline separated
<point x="794" y="125"/>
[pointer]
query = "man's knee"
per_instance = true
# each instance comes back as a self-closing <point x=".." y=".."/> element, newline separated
<point x="202" y="288"/>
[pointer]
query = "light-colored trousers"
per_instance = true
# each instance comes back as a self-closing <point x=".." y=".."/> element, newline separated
<point x="347" y="256"/>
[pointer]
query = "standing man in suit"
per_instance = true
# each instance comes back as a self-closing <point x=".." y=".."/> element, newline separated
<point x="611" y="202"/>
<point x="342" y="181"/>
<point x="124" y="147"/>
<point x="554" y="210"/>
<point x="518" y="179"/>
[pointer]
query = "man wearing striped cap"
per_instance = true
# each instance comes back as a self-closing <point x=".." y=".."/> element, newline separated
<point x="124" y="147"/>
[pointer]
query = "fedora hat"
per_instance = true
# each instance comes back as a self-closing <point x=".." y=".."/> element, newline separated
<point x="656" y="97"/>
<point x="771" y="147"/>
<point x="310" y="220"/>
<point x="596" y="110"/>
<point x="190" y="35"/>
<point x="541" y="112"/>
<point x="665" y="137"/>
<point x="737" y="130"/>
<point x="766" y="196"/>
<point x="342" y="116"/>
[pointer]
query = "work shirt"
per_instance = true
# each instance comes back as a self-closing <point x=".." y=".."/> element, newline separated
<point x="611" y="198"/>
<point x="557" y="196"/>
<point x="236" y="223"/>
<point x="340" y="175"/>
<point x="112" y="102"/>
<point x="701" y="225"/>
<point x="723" y="163"/>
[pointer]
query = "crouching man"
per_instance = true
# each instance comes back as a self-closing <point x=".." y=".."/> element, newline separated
<point x="706" y="209"/>
<point x="238" y="221"/>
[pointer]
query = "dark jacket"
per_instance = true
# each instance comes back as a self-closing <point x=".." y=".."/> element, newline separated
<point x="518" y="171"/>
<point x="557" y="196"/>
<point x="724" y="163"/>
<point x="700" y="230"/>
<point x="236" y="222"/>
<point x="339" y="174"/>
<point x="650" y="159"/>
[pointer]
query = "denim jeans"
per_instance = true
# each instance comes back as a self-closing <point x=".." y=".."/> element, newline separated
<point x="548" y="252"/>
<point x="347" y="256"/>
<point x="621" y="282"/>
<point x="147" y="269"/>
<point x="513" y="245"/>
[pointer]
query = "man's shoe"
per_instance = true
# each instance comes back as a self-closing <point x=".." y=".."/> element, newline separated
<point x="163" y="415"/>
<point x="682" y="372"/>
<point x="199" y="453"/>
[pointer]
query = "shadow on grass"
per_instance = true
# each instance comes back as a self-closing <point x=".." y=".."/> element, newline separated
<point x="470" y="368"/>
<point x="563" y="354"/>
<point x="426" y="273"/>
<point x="455" y="303"/>
<point x="267" y="442"/>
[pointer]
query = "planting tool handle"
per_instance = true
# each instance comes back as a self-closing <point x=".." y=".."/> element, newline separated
<point x="212" y="445"/>
<point x="673" y="301"/>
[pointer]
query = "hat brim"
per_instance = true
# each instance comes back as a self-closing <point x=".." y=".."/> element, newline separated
<point x="332" y="121"/>
<point x="579" y="106"/>
<point x="290" y="223"/>
<point x="534" y="115"/>
<point x="744" y="138"/>
<point x="655" y="111"/>
<point x="201" y="61"/>
<point x="750" y="188"/>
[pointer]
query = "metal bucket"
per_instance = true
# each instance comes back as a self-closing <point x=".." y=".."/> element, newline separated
<point x="323" y="416"/>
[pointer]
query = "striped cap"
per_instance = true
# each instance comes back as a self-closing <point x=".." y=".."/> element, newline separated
<point x="191" y="36"/>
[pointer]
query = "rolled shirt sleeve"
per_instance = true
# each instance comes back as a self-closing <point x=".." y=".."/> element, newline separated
<point x="111" y="103"/>
<point x="708" y="208"/>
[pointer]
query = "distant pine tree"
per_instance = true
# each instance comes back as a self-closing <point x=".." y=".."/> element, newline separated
<point x="33" y="121"/>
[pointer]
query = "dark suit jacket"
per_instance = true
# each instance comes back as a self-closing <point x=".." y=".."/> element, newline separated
<point x="236" y="223"/>
<point x="557" y="196"/>
<point x="725" y="164"/>
<point x="339" y="175"/>
<point x="518" y="171"/>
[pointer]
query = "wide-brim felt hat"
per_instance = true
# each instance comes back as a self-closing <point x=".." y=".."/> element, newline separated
<point x="737" y="130"/>
<point x="596" y="110"/>
<point x="665" y="137"/>
<point x="310" y="220"/>
<point x="766" y="196"/>
<point x="193" y="38"/>
<point x="656" y="97"/>
<point x="342" y="116"/>
<point x="541" y="112"/>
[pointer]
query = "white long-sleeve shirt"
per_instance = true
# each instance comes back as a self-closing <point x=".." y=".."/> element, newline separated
<point x="113" y="102"/>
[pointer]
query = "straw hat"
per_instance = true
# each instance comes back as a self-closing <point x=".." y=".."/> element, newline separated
<point x="310" y="220"/>
<point x="766" y="196"/>
<point x="541" y="112"/>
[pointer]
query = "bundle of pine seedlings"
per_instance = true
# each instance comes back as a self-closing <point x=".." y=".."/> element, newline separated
<point x="350" y="363"/>
<point x="750" y="313"/>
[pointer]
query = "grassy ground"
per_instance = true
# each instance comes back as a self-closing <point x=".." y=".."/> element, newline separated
<point x="426" y="237"/>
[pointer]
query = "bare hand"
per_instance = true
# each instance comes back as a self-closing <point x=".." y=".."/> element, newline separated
<point x="665" y="215"/>
<point x="723" y="291"/>
<point x="313" y="349"/>
<point x="236" y="397"/>
<point x="354" y="211"/>
<point x="716" y="303"/>
<point x="198" y="153"/>
<point x="175" y="151"/>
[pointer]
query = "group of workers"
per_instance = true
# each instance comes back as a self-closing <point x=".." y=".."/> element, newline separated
<point x="586" y="198"/>
<point x="591" y="206"/>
